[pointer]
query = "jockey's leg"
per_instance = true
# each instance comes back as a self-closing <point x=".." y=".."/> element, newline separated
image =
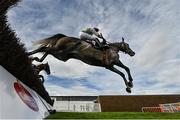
<point x="128" y="89"/>
<point x="87" y="37"/>
<point x="98" y="43"/>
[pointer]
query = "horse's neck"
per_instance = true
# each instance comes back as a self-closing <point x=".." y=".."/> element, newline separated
<point x="115" y="46"/>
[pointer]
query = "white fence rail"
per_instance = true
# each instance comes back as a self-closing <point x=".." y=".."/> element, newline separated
<point x="68" y="106"/>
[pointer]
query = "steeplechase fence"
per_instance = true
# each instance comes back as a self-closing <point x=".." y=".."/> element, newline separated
<point x="169" y="107"/>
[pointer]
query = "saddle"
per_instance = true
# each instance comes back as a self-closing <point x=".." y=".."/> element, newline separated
<point x="96" y="46"/>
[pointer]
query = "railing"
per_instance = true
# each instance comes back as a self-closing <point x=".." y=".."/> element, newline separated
<point x="151" y="109"/>
<point x="77" y="107"/>
<point x="169" y="107"/>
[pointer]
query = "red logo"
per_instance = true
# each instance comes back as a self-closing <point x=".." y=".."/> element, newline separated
<point x="26" y="97"/>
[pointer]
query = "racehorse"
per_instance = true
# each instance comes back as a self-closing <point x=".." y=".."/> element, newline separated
<point x="64" y="48"/>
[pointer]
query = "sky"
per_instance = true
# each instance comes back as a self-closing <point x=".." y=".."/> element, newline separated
<point x="150" y="27"/>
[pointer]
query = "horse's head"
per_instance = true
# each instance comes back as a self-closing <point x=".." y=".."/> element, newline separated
<point x="124" y="47"/>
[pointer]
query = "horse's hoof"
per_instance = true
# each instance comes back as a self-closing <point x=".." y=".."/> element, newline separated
<point x="52" y="111"/>
<point x="130" y="79"/>
<point x="128" y="90"/>
<point x="130" y="84"/>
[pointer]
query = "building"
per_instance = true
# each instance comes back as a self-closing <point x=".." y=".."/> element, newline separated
<point x="76" y="103"/>
<point x="134" y="103"/>
<point x="111" y="103"/>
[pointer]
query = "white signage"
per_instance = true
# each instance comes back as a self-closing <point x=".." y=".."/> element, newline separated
<point x="18" y="101"/>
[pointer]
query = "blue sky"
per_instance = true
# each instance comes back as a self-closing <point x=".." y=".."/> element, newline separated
<point x="151" y="27"/>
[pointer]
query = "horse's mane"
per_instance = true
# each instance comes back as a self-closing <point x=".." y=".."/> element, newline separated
<point x="13" y="55"/>
<point x="115" y="43"/>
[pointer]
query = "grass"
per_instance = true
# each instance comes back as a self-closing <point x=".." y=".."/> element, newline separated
<point x="113" y="115"/>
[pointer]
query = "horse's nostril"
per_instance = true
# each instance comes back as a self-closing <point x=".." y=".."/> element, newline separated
<point x="132" y="54"/>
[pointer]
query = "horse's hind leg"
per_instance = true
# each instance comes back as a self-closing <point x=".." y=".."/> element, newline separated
<point x="128" y="89"/>
<point x="47" y="69"/>
<point x="40" y="49"/>
<point x="42" y="58"/>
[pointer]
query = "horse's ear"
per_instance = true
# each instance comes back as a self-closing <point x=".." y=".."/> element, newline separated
<point x="122" y="39"/>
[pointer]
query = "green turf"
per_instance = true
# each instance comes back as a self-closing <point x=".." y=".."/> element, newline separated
<point x="113" y="115"/>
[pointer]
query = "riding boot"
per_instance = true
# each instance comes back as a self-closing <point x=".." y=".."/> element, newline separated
<point x="104" y="42"/>
<point x="101" y="45"/>
<point x="105" y="45"/>
<point x="98" y="43"/>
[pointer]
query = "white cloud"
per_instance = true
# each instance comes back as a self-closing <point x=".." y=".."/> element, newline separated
<point x="155" y="51"/>
<point x="74" y="91"/>
<point x="170" y="73"/>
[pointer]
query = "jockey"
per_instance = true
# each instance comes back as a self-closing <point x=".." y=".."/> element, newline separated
<point x="92" y="35"/>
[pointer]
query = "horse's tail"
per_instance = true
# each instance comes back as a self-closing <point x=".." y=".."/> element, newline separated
<point x="43" y="42"/>
<point x="51" y="41"/>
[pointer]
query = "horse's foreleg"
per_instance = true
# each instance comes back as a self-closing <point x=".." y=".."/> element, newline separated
<point x="113" y="69"/>
<point x="120" y="64"/>
<point x="41" y="49"/>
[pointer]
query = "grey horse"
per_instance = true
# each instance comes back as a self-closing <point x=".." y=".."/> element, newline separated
<point x="64" y="48"/>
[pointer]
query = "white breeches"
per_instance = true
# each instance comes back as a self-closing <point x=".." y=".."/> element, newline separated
<point x="86" y="36"/>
